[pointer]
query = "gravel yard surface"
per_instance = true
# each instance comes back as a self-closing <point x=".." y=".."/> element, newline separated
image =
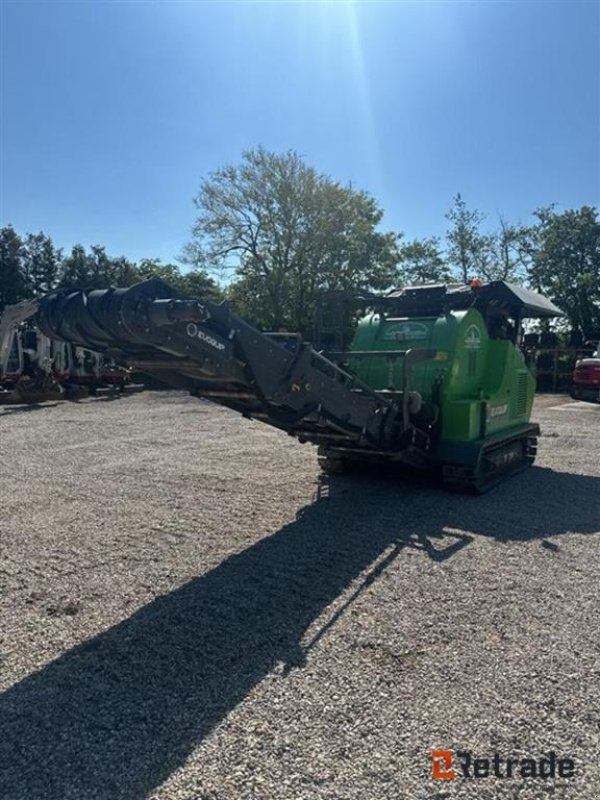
<point x="188" y="611"/>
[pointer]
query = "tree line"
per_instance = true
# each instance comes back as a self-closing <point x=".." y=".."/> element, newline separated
<point x="31" y="265"/>
<point x="275" y="232"/>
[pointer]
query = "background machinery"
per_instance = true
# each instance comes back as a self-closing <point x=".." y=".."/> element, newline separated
<point x="586" y="378"/>
<point x="82" y="372"/>
<point x="433" y="377"/>
<point x="26" y="374"/>
<point x="35" y="368"/>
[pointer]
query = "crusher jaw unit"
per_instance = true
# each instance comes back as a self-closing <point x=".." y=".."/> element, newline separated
<point x="433" y="377"/>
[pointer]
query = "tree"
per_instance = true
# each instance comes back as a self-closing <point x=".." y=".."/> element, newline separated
<point x="76" y="270"/>
<point x="33" y="266"/>
<point x="421" y="261"/>
<point x="154" y="268"/>
<point x="246" y="295"/>
<point x="41" y="263"/>
<point x="469" y="252"/>
<point x="565" y="265"/>
<point x="510" y="250"/>
<point x="95" y="270"/>
<point x="122" y="272"/>
<point x="286" y="231"/>
<point x="196" y="283"/>
<point x="13" y="286"/>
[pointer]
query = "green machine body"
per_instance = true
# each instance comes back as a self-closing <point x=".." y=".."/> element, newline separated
<point x="452" y="353"/>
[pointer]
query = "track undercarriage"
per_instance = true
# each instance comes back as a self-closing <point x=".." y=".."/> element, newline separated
<point x="495" y="461"/>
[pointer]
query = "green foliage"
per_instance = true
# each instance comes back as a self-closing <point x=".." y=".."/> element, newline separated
<point x="95" y="270"/>
<point x="421" y="261"/>
<point x="565" y="265"/>
<point x="154" y="268"/>
<point x="468" y="251"/>
<point x="502" y="255"/>
<point x="32" y="266"/>
<point x="245" y="295"/>
<point x="13" y="285"/>
<point x="510" y="249"/>
<point x="41" y="262"/>
<point x="196" y="283"/>
<point x="285" y="231"/>
<point x="29" y="266"/>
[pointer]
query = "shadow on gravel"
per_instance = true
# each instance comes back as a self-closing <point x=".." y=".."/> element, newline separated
<point x="115" y="716"/>
<point x="20" y="409"/>
<point x="535" y="504"/>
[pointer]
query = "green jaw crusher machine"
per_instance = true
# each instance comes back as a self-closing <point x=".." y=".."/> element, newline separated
<point x="451" y="355"/>
<point x="433" y="377"/>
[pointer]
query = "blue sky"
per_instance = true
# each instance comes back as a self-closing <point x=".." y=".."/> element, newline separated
<point x="113" y="111"/>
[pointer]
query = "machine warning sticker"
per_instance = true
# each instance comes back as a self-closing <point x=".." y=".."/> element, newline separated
<point x="473" y="338"/>
<point x="407" y="331"/>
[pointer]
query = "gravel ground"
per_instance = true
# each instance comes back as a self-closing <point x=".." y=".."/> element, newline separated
<point x="187" y="610"/>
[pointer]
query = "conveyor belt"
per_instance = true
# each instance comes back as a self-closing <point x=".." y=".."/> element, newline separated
<point x="208" y="350"/>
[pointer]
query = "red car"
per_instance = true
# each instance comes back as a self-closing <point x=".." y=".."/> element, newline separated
<point x="586" y="379"/>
